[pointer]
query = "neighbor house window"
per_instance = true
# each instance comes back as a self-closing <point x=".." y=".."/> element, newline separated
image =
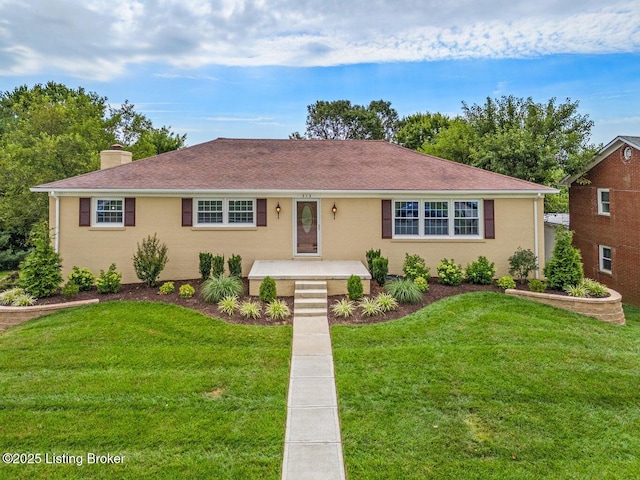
<point x="604" y="207"/>
<point x="109" y="212"/>
<point x="437" y="218"/>
<point x="605" y="259"/>
<point x="224" y="212"/>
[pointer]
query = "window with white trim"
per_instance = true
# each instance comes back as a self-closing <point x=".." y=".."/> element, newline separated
<point x="604" y="206"/>
<point x="221" y="212"/>
<point x="605" y="258"/>
<point x="436" y="218"/>
<point x="108" y="212"/>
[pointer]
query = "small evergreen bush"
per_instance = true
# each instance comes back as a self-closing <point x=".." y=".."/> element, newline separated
<point x="70" y="289"/>
<point x="369" y="307"/>
<point x="277" y="310"/>
<point x="343" y="308"/>
<point x="371" y="256"/>
<point x="422" y="284"/>
<point x="235" y="266"/>
<point x="167" y="288"/>
<point x="250" y="309"/>
<point x="186" y="291"/>
<point x="216" y="288"/>
<point x="522" y="263"/>
<point x="268" y="291"/>
<point x="536" y="285"/>
<point x="450" y="273"/>
<point x="481" y="272"/>
<point x="109" y="281"/>
<point x="150" y="260"/>
<point x="82" y="277"/>
<point x="565" y="265"/>
<point x="40" y="270"/>
<point x="380" y="270"/>
<point x="506" y="282"/>
<point x="414" y="267"/>
<point x="354" y="288"/>
<point x="404" y="291"/>
<point x="229" y="305"/>
<point x="217" y="266"/>
<point x="206" y="262"/>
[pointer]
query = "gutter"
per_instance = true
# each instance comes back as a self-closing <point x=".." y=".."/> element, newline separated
<point x="536" y="234"/>
<point x="56" y="228"/>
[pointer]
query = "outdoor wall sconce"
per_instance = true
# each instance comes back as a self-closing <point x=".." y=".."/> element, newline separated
<point x="278" y="209"/>
<point x="334" y="209"/>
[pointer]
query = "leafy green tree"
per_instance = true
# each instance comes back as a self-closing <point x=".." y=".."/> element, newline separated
<point x="419" y="129"/>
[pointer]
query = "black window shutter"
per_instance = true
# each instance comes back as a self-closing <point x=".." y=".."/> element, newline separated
<point x="261" y="212"/>
<point x="129" y="212"/>
<point x="489" y="220"/>
<point x="85" y="212"/>
<point x="387" y="219"/>
<point x="187" y="212"/>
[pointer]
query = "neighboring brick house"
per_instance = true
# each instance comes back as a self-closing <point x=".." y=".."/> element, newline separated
<point x="604" y="202"/>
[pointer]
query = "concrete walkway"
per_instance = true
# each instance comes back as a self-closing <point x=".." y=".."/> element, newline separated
<point x="313" y="446"/>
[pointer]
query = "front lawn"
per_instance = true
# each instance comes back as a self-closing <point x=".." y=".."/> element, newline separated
<point x="485" y="386"/>
<point x="178" y="394"/>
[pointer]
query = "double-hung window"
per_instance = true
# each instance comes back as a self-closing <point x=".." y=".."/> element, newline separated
<point x="604" y="205"/>
<point x="109" y="212"/>
<point x="436" y="218"/>
<point x="605" y="259"/>
<point x="225" y="212"/>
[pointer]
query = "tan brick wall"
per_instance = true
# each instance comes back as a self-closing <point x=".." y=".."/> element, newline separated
<point x="10" y="316"/>
<point x="620" y="230"/>
<point x="355" y="229"/>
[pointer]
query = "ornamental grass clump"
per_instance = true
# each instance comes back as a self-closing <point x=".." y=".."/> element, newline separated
<point x="250" y="309"/>
<point x="450" y="272"/>
<point x="277" y="310"/>
<point x="229" y="304"/>
<point x="24" y="300"/>
<point x="595" y="289"/>
<point x="8" y="296"/>
<point x="404" y="291"/>
<point x="369" y="307"/>
<point x="343" y="308"/>
<point x="386" y="302"/>
<point x="216" y="288"/>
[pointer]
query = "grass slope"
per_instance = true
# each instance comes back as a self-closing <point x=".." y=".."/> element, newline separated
<point x="485" y="386"/>
<point x="178" y="394"/>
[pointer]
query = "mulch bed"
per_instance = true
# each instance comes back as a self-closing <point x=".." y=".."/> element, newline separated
<point x="139" y="292"/>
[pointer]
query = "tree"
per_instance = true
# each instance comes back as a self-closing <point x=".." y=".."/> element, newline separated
<point x="419" y="129"/>
<point x="340" y="120"/>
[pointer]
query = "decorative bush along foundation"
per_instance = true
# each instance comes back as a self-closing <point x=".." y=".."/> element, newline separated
<point x="10" y="316"/>
<point x="608" y="309"/>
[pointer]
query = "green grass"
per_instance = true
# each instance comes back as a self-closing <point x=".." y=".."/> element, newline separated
<point x="486" y="386"/>
<point x="178" y="394"/>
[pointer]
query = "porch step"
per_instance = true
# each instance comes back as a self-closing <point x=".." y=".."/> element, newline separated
<point x="310" y="299"/>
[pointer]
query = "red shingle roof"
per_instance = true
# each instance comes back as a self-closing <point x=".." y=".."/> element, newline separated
<point x="319" y="165"/>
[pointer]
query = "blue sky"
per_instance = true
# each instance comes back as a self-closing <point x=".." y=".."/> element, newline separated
<point x="249" y="68"/>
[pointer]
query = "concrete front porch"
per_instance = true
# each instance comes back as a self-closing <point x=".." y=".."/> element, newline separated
<point x="285" y="272"/>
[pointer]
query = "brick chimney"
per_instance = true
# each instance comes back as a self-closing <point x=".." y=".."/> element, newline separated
<point x="114" y="156"/>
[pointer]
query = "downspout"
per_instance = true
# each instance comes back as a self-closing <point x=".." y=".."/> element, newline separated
<point x="56" y="228"/>
<point x="535" y="233"/>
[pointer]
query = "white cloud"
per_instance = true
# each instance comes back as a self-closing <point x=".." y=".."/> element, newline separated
<point x="100" y="38"/>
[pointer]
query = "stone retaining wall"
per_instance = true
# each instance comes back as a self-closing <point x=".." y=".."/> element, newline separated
<point x="607" y="309"/>
<point x="10" y="316"/>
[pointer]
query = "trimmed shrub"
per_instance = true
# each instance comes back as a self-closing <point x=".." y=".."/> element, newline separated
<point x="70" y="289"/>
<point x="404" y="291"/>
<point x="506" y="282"/>
<point x="268" y="291"/>
<point x="386" y="302"/>
<point x="40" y="270"/>
<point x="481" y="272"/>
<point x="235" y="266"/>
<point x="206" y="262"/>
<point x="354" y="288"/>
<point x="414" y="267"/>
<point x="250" y="309"/>
<point x="229" y="305"/>
<point x="343" y="308"/>
<point x="216" y="288"/>
<point x="565" y="265"/>
<point x="217" y="265"/>
<point x="422" y="284"/>
<point x="167" y="288"/>
<point x="277" y="310"/>
<point x="369" y="307"/>
<point x="150" y="259"/>
<point x="371" y="256"/>
<point x="8" y="296"/>
<point x="186" y="291"/>
<point x="522" y="263"/>
<point x="109" y="281"/>
<point x="536" y="285"/>
<point x="82" y="277"/>
<point x="450" y="273"/>
<point x="380" y="270"/>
